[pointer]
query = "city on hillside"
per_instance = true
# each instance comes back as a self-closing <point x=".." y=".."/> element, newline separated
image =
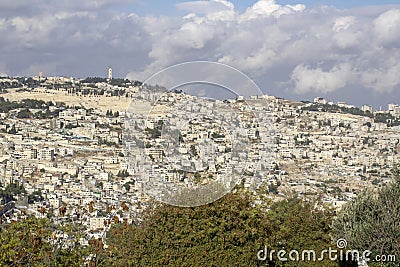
<point x="62" y="152"/>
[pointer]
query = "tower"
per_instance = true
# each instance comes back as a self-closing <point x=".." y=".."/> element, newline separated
<point x="109" y="73"/>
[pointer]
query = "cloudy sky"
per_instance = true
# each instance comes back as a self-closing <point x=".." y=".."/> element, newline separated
<point x="341" y="50"/>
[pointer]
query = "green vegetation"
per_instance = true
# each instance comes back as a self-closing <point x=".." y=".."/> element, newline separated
<point x="12" y="130"/>
<point x="109" y="113"/>
<point x="94" y="80"/>
<point x="6" y="105"/>
<point x="25" y="243"/>
<point x="228" y="232"/>
<point x="71" y="126"/>
<point x="153" y="133"/>
<point x="128" y="185"/>
<point x="387" y="118"/>
<point x="103" y="141"/>
<point x="124" y="82"/>
<point x="217" y="135"/>
<point x="35" y="196"/>
<point x="47" y="114"/>
<point x="24" y="114"/>
<point x="371" y="221"/>
<point x="273" y="188"/>
<point x="11" y="190"/>
<point x="7" y="85"/>
<point x="337" y="109"/>
<point x="123" y="173"/>
<point x="115" y="81"/>
<point x="27" y="104"/>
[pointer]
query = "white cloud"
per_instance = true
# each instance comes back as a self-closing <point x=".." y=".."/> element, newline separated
<point x="214" y="10"/>
<point x="267" y="8"/>
<point x="307" y="79"/>
<point x="345" y="34"/>
<point x="319" y="49"/>
<point x="387" y="27"/>
<point x="193" y="35"/>
<point x="256" y="62"/>
<point x="343" y="23"/>
<point x="347" y="39"/>
<point x="382" y="79"/>
<point x="3" y="70"/>
<point x="206" y="7"/>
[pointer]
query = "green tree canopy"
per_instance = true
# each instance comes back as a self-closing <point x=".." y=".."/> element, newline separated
<point x="12" y="189"/>
<point x="372" y="221"/>
<point x="228" y="232"/>
<point x="28" y="243"/>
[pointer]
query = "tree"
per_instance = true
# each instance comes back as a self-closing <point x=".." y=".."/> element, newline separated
<point x="12" y="189"/>
<point x="228" y="232"/>
<point x="300" y="225"/>
<point x="94" y="80"/>
<point x="24" y="114"/>
<point x="35" y="196"/>
<point x="273" y="188"/>
<point x="123" y="173"/>
<point x="371" y="221"/>
<point x="31" y="242"/>
<point x="13" y="130"/>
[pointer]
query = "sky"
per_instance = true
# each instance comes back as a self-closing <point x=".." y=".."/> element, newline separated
<point x="297" y="49"/>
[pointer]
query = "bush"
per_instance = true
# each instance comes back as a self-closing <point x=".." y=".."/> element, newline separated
<point x="228" y="232"/>
<point x="371" y="221"/>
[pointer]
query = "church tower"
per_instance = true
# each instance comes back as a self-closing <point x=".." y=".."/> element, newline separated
<point x="109" y="73"/>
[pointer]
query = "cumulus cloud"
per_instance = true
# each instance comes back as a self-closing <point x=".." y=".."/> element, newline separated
<point x="343" y="23"/>
<point x="213" y="10"/>
<point x="383" y="79"/>
<point x="387" y="27"/>
<point x="267" y="8"/>
<point x="308" y="79"/>
<point x="206" y="7"/>
<point x="289" y="50"/>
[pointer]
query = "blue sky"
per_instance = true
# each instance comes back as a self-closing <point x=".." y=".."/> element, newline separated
<point x="342" y="3"/>
<point x="341" y="50"/>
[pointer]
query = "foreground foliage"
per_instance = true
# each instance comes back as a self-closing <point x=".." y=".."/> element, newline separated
<point x="372" y="222"/>
<point x="26" y="243"/>
<point x="228" y="232"/>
